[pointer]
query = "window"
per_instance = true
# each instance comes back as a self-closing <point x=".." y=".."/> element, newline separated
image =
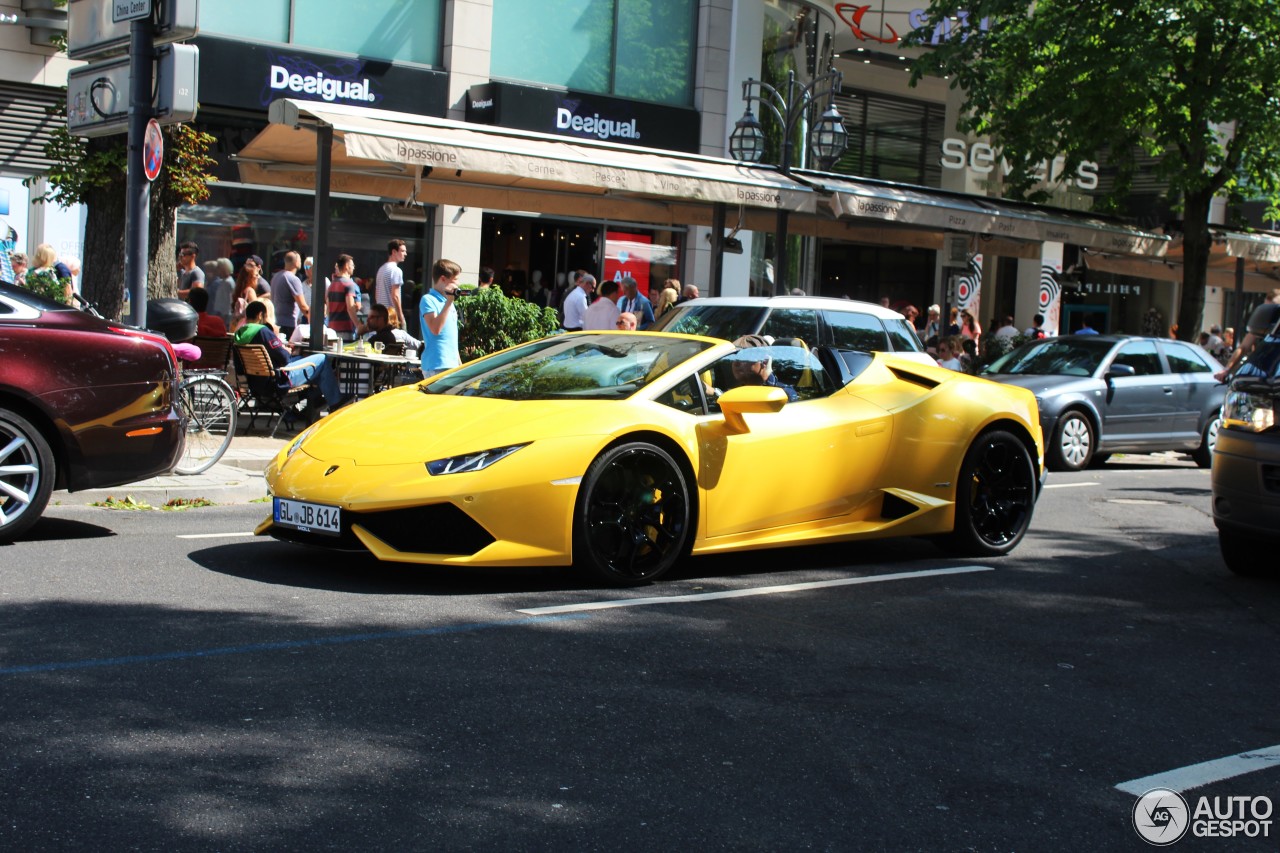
<point x="850" y="330"/>
<point x="799" y="323"/>
<point x="1141" y="356"/>
<point x="1183" y="359"/>
<point x="891" y="137"/>
<point x="904" y="336"/>
<point x="399" y="30"/>
<point x="641" y="49"/>
<point x="686" y="397"/>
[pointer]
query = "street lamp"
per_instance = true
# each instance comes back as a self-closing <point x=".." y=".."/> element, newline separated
<point x="827" y="137"/>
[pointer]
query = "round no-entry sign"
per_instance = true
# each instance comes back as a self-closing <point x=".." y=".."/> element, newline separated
<point x="152" y="150"/>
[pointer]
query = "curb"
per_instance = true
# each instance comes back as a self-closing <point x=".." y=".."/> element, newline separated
<point x="222" y="484"/>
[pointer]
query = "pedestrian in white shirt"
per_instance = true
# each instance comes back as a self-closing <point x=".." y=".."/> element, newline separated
<point x="575" y="304"/>
<point x="602" y="316"/>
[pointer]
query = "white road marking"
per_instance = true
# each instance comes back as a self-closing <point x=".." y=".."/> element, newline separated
<point x="212" y="535"/>
<point x="1206" y="772"/>
<point x="1069" y="485"/>
<point x="743" y="593"/>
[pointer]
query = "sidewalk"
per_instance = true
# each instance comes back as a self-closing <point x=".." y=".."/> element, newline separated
<point x="237" y="478"/>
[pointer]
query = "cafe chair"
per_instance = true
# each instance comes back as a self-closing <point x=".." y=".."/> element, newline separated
<point x="260" y="391"/>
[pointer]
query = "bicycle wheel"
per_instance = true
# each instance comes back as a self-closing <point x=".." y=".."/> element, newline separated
<point x="209" y="405"/>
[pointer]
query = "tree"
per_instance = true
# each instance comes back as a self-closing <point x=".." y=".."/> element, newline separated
<point x="492" y="321"/>
<point x="93" y="172"/>
<point x="1192" y="84"/>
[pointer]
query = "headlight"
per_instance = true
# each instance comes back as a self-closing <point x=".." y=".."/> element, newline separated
<point x="1249" y="411"/>
<point x="297" y="442"/>
<point x="471" y="461"/>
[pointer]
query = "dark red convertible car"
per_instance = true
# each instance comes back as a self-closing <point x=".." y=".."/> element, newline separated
<point x="84" y="403"/>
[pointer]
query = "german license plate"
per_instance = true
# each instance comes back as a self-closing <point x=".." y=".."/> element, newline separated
<point x="309" y="518"/>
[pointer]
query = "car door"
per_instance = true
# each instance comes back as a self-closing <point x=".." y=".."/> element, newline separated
<point x="1138" y="409"/>
<point x="1195" y="391"/>
<point x="814" y="459"/>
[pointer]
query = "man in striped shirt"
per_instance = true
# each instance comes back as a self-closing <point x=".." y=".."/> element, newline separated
<point x="388" y="281"/>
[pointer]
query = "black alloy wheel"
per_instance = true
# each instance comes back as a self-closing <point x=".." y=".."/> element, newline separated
<point x="26" y="474"/>
<point x="632" y="519"/>
<point x="995" y="496"/>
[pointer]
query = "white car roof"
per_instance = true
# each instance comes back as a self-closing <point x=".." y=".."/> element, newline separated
<point x="823" y="303"/>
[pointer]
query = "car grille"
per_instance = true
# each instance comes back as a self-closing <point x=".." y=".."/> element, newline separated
<point x="432" y="529"/>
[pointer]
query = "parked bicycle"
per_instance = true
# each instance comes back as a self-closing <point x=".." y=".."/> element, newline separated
<point x="210" y="407"/>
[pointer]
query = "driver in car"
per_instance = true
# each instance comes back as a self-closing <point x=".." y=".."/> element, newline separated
<point x="753" y="365"/>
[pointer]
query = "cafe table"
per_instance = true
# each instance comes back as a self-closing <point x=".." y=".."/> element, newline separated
<point x="363" y="373"/>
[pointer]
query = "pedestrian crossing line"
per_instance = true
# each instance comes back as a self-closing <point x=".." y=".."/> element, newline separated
<point x="749" y="591"/>
<point x="1069" y="485"/>
<point x="213" y="535"/>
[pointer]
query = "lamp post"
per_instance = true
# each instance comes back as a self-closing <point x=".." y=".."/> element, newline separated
<point x="827" y="137"/>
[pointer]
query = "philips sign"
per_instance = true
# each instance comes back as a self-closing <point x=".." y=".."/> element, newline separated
<point x="593" y="125"/>
<point x="327" y="88"/>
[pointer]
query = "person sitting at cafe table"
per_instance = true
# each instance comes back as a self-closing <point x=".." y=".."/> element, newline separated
<point x="382" y="327"/>
<point x="295" y="371"/>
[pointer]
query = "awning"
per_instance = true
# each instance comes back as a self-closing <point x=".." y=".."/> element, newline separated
<point x="922" y="207"/>
<point x="1260" y="253"/>
<point x="403" y="156"/>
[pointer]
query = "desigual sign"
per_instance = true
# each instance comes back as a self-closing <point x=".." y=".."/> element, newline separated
<point x="328" y="88"/>
<point x="984" y="159"/>
<point x="594" y="125"/>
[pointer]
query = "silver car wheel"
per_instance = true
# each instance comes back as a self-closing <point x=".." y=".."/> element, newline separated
<point x="1075" y="441"/>
<point x="26" y="474"/>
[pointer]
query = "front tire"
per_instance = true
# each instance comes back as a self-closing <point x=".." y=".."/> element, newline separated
<point x="1073" y="443"/>
<point x="1203" y="455"/>
<point x="1247" y="556"/>
<point x="995" y="496"/>
<point x="27" y="474"/>
<point x="632" y="519"/>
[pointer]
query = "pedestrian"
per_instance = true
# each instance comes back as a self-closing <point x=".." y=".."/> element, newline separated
<point x="485" y="279"/>
<point x="1261" y="321"/>
<point x="288" y="296"/>
<point x="250" y="285"/>
<point x="690" y="291"/>
<point x="440" y="320"/>
<point x="667" y="299"/>
<point x="970" y="328"/>
<point x="47" y="279"/>
<point x="626" y="322"/>
<point x="636" y="303"/>
<point x="575" y="304"/>
<point x="1007" y="329"/>
<point x="603" y="313"/>
<point x="189" y="273"/>
<point x="221" y="287"/>
<point x="389" y="279"/>
<point x="933" y="324"/>
<point x="1036" y="330"/>
<point x="19" y="262"/>
<point x="340" y="299"/>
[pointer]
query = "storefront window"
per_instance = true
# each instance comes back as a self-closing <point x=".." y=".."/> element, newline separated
<point x="400" y="30"/>
<point x="572" y="44"/>
<point x="263" y="20"/>
<point x="892" y="138"/>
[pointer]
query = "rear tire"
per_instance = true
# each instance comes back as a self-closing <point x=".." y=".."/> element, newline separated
<point x="209" y="406"/>
<point x="995" y="496"/>
<point x="632" y="520"/>
<point x="27" y="474"/>
<point x="1248" y="556"/>
<point x="1073" y="442"/>
<point x="1203" y="455"/>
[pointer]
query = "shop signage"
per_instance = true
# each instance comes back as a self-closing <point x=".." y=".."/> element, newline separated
<point x="887" y="22"/>
<point x="251" y="76"/>
<point x="984" y="159"/>
<point x="584" y="115"/>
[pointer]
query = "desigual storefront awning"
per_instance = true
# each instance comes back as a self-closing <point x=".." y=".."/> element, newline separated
<point x="401" y="156"/>
<point x="938" y="210"/>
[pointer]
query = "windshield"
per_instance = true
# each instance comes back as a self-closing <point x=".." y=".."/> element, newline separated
<point x="712" y="321"/>
<point x="579" y="367"/>
<point x="1072" y="355"/>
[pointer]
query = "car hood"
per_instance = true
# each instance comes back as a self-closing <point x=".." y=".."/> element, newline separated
<point x="405" y="426"/>
<point x="1046" y="385"/>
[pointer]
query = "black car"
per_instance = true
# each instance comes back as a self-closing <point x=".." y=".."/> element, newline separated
<point x="84" y="403"/>
<point x="1103" y="394"/>
<point x="1246" y="465"/>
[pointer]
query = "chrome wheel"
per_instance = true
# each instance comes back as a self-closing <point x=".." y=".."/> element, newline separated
<point x="995" y="495"/>
<point x="633" y="515"/>
<point x="1073" y="442"/>
<point x="26" y="474"/>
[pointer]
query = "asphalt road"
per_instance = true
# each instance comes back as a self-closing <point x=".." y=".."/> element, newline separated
<point x="231" y="693"/>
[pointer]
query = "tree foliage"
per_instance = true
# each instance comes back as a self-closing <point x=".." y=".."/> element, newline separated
<point x="93" y="172"/>
<point x="492" y="321"/>
<point x="1192" y="83"/>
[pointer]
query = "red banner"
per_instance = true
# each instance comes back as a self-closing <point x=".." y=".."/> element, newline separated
<point x="628" y="255"/>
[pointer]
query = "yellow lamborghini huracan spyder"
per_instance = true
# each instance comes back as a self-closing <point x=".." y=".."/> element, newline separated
<point x="621" y="452"/>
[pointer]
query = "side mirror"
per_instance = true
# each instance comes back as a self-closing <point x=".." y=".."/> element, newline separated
<point x="749" y="399"/>
<point x="1115" y="371"/>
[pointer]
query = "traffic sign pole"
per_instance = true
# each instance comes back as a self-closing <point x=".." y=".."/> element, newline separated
<point x="138" y="192"/>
